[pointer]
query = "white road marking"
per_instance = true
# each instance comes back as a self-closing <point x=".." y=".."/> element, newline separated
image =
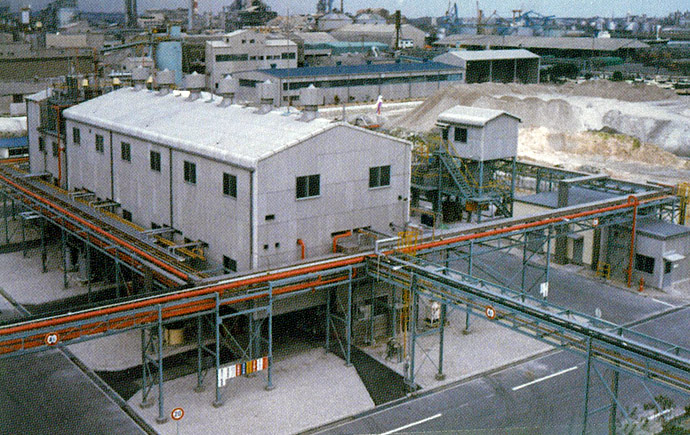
<point x="545" y="378"/>
<point x="662" y="302"/>
<point x="407" y="426"/>
<point x="659" y="414"/>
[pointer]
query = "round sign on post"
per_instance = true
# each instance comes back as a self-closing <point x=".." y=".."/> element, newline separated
<point x="52" y="339"/>
<point x="177" y="414"/>
<point x="490" y="312"/>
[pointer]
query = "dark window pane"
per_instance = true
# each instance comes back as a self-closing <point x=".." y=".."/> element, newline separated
<point x="314" y="185"/>
<point x="373" y="177"/>
<point x="385" y="179"/>
<point x="460" y="135"/>
<point x="302" y="187"/>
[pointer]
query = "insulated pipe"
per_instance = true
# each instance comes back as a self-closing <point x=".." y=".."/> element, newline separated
<point x="100" y="231"/>
<point x="300" y="242"/>
<point x="338" y="237"/>
<point x="636" y="203"/>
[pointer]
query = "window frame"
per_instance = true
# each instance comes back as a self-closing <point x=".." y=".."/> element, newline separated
<point x="229" y="264"/>
<point x="376" y="175"/>
<point x="100" y="144"/>
<point x="189" y="172"/>
<point x="230" y="185"/>
<point x="76" y="136"/>
<point x="309" y="192"/>
<point x="645" y="263"/>
<point x="157" y="166"/>
<point x="126" y="151"/>
<point x="463" y="134"/>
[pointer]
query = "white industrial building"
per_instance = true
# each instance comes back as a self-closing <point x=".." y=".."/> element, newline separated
<point x="506" y="66"/>
<point x="246" y="50"/>
<point x="256" y="185"/>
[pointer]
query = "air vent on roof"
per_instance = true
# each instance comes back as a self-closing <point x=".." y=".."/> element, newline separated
<point x="310" y="97"/>
<point x="227" y="88"/>
<point x="268" y="94"/>
<point x="139" y="77"/>
<point x="194" y="83"/>
<point x="164" y="81"/>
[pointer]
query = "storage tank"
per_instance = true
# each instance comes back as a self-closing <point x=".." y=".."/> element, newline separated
<point x="169" y="56"/>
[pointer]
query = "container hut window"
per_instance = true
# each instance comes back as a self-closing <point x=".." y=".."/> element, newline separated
<point x="380" y="176"/>
<point x="127" y="215"/>
<point x="444" y="133"/>
<point x="76" y="136"/>
<point x="460" y="135"/>
<point x="55" y="149"/>
<point x="126" y="151"/>
<point x="190" y="172"/>
<point x="644" y="263"/>
<point x="229" y="264"/>
<point x="308" y="186"/>
<point x="230" y="185"/>
<point x="155" y="161"/>
<point x="99" y="143"/>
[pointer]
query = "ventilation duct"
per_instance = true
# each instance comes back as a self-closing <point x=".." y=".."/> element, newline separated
<point x="227" y="88"/>
<point x="268" y="93"/>
<point x="165" y="80"/>
<point x="310" y="97"/>
<point x="194" y="83"/>
<point x="139" y="77"/>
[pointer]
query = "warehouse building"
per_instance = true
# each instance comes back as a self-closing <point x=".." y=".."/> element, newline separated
<point x="506" y="66"/>
<point x="260" y="188"/>
<point x="245" y="50"/>
<point x="355" y="83"/>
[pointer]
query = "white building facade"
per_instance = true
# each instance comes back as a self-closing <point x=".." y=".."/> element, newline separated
<point x="254" y="186"/>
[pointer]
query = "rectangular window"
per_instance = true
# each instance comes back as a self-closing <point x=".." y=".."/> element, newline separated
<point x="380" y="176"/>
<point x="308" y="186"/>
<point x="644" y="263"/>
<point x="444" y="133"/>
<point x="230" y="185"/>
<point x="155" y="161"/>
<point x="55" y="149"/>
<point x="270" y="217"/>
<point x="190" y="172"/>
<point x="76" y="136"/>
<point x="127" y="215"/>
<point x="460" y="135"/>
<point x="231" y="57"/>
<point x="287" y="55"/>
<point x="99" y="143"/>
<point x="668" y="266"/>
<point x="126" y="151"/>
<point x="229" y="264"/>
<point x="41" y="144"/>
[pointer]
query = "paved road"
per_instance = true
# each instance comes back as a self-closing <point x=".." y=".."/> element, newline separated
<point x="545" y="395"/>
<point x="45" y="393"/>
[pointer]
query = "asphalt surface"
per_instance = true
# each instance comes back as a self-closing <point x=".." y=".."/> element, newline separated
<point x="540" y="396"/>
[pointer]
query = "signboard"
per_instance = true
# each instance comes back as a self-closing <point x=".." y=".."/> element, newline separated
<point x="544" y="289"/>
<point x="239" y="369"/>
<point x="177" y="414"/>
<point x="52" y="339"/>
<point x="490" y="312"/>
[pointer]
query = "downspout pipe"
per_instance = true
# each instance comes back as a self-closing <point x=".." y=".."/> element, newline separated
<point x="336" y="238"/>
<point x="636" y="202"/>
<point x="300" y="242"/>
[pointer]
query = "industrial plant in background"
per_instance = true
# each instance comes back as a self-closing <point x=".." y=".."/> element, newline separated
<point x="247" y="13"/>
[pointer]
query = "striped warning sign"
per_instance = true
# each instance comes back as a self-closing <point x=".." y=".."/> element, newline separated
<point x="239" y="369"/>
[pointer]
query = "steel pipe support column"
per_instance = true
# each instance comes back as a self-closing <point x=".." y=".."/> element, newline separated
<point x="162" y="416"/>
<point x="440" y="375"/>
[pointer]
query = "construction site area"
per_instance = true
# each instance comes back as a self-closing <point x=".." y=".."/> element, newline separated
<point x="496" y="258"/>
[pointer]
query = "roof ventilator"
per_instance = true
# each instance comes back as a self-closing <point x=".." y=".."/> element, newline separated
<point x="194" y="83"/>
<point x="227" y="88"/>
<point x="164" y="81"/>
<point x="139" y="77"/>
<point x="310" y="97"/>
<point x="267" y="93"/>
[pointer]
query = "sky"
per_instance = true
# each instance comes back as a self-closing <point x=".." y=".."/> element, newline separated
<point x="415" y="8"/>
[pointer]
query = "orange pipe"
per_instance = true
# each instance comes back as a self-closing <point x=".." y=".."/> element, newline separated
<point x="14" y="160"/>
<point x="636" y="203"/>
<point x="100" y="231"/>
<point x="300" y="242"/>
<point x="338" y="237"/>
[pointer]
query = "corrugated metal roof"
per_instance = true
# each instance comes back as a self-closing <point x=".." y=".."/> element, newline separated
<point x="374" y="68"/>
<point x="471" y="115"/>
<point x="600" y="44"/>
<point x="472" y="55"/>
<point x="233" y="134"/>
<point x="660" y="229"/>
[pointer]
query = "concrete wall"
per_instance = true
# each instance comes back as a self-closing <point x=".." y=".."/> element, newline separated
<point x="342" y="156"/>
<point x="37" y="159"/>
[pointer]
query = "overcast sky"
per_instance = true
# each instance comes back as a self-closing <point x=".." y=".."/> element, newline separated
<point x="415" y="8"/>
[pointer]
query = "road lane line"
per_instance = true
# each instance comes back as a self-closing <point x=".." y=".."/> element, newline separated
<point x="407" y="426"/>
<point x="545" y="378"/>
<point x="662" y="302"/>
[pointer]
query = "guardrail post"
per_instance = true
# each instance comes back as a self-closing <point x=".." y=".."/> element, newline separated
<point x="199" y="357"/>
<point x="440" y="376"/>
<point x="587" y="373"/>
<point x="269" y="377"/>
<point x="162" y="417"/>
<point x="348" y="325"/>
<point x="219" y="399"/>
